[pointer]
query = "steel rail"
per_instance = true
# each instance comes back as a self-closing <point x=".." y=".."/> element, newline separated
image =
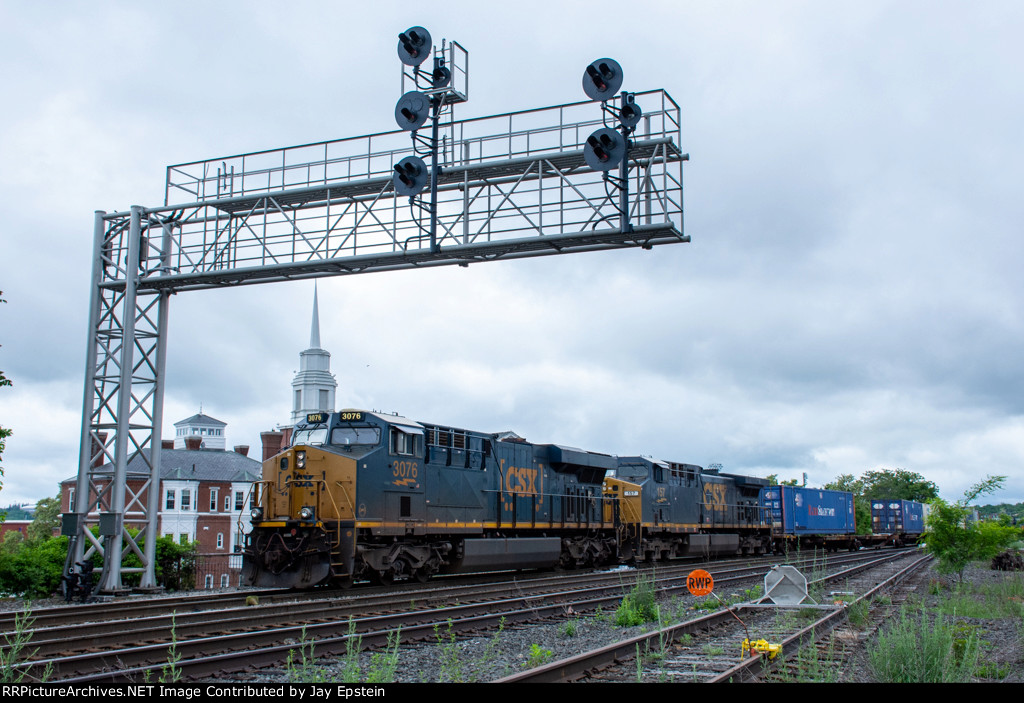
<point x="572" y="668"/>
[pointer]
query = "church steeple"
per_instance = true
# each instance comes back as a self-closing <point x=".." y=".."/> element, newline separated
<point x="314" y="332"/>
<point x="314" y="386"/>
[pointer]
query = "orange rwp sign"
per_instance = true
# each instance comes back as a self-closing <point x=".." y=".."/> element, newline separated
<point x="700" y="583"/>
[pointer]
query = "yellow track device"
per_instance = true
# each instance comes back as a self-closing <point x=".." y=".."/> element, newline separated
<point x="760" y="647"/>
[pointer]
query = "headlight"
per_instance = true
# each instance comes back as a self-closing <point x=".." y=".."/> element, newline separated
<point x="306" y="513"/>
<point x="256" y="513"/>
<point x="300" y="459"/>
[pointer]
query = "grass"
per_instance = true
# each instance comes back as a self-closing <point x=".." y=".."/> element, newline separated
<point x="919" y="648"/>
<point x="452" y="669"/>
<point x="857" y="613"/>
<point x="538" y="656"/>
<point x="384" y="665"/>
<point x="987" y="601"/>
<point x="14" y="658"/>
<point x="639" y="605"/>
<point x="809" y="666"/>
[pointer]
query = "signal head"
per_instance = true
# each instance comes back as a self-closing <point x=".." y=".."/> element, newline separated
<point x="412" y="110"/>
<point x="630" y="113"/>
<point x="602" y="79"/>
<point x="414" y="46"/>
<point x="441" y="77"/>
<point x="604" y="149"/>
<point x="410" y="176"/>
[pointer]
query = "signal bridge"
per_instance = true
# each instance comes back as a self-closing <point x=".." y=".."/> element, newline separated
<point x="522" y="184"/>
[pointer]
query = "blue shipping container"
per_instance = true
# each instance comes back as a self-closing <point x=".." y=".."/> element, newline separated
<point x="894" y="516"/>
<point x="808" y="511"/>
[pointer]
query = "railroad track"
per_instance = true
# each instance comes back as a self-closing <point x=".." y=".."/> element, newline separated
<point x="217" y="636"/>
<point x="707" y="648"/>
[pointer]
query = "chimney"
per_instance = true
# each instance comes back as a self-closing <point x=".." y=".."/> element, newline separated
<point x="271" y="443"/>
<point x="167" y="444"/>
<point x="96" y="444"/>
<point x="242" y="449"/>
<point x="193" y="442"/>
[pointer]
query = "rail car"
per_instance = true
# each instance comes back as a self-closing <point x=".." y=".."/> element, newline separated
<point x="899" y="521"/>
<point x="803" y="517"/>
<point x="689" y="510"/>
<point x="366" y="495"/>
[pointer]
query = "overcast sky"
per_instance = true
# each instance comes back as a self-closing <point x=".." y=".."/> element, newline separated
<point x="851" y="299"/>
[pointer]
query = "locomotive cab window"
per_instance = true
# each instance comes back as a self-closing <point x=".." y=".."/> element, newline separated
<point x="314" y="437"/>
<point x="403" y="440"/>
<point x="356" y="435"/>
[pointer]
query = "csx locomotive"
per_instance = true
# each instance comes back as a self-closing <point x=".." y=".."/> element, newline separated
<point x="366" y="495"/>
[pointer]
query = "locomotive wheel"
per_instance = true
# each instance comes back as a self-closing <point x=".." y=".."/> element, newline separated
<point x="421" y="575"/>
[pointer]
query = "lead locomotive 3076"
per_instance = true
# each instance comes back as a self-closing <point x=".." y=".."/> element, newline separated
<point x="366" y="495"/>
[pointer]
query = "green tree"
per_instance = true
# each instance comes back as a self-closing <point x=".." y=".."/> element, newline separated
<point x="175" y="564"/>
<point x="956" y="541"/>
<point x="34" y="568"/>
<point x="46" y="520"/>
<point x="899" y="484"/>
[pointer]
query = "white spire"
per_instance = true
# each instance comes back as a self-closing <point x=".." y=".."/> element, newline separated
<point x="314" y="386"/>
<point x="314" y="332"/>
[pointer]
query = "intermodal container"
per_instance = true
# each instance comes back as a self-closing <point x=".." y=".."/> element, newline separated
<point x="794" y="510"/>
<point x="891" y="516"/>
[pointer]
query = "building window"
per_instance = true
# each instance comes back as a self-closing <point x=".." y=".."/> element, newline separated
<point x="323" y="400"/>
<point x="220" y="540"/>
<point x="213" y="499"/>
<point x="71" y="500"/>
<point x="169" y="505"/>
<point x="186" y="499"/>
<point x="209" y="581"/>
<point x="239" y="500"/>
<point x="298" y="400"/>
<point x="239" y="539"/>
<point x="183" y="539"/>
<point x="227" y="503"/>
<point x="224" y="580"/>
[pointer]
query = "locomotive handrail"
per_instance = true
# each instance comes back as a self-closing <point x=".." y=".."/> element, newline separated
<point x="262" y="503"/>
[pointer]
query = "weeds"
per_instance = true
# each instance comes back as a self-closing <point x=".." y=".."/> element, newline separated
<point x="384" y="665"/>
<point x="307" y="671"/>
<point x="1003" y="599"/>
<point x="570" y="627"/>
<point x="353" y="648"/>
<point x="922" y="650"/>
<point x="638" y="606"/>
<point x="857" y="613"/>
<point x="170" y="673"/>
<point x="449" y="654"/>
<point x="14" y="656"/>
<point x="809" y="666"/>
<point x="538" y="656"/>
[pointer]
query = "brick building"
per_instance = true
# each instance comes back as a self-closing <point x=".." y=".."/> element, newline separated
<point x="205" y="496"/>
